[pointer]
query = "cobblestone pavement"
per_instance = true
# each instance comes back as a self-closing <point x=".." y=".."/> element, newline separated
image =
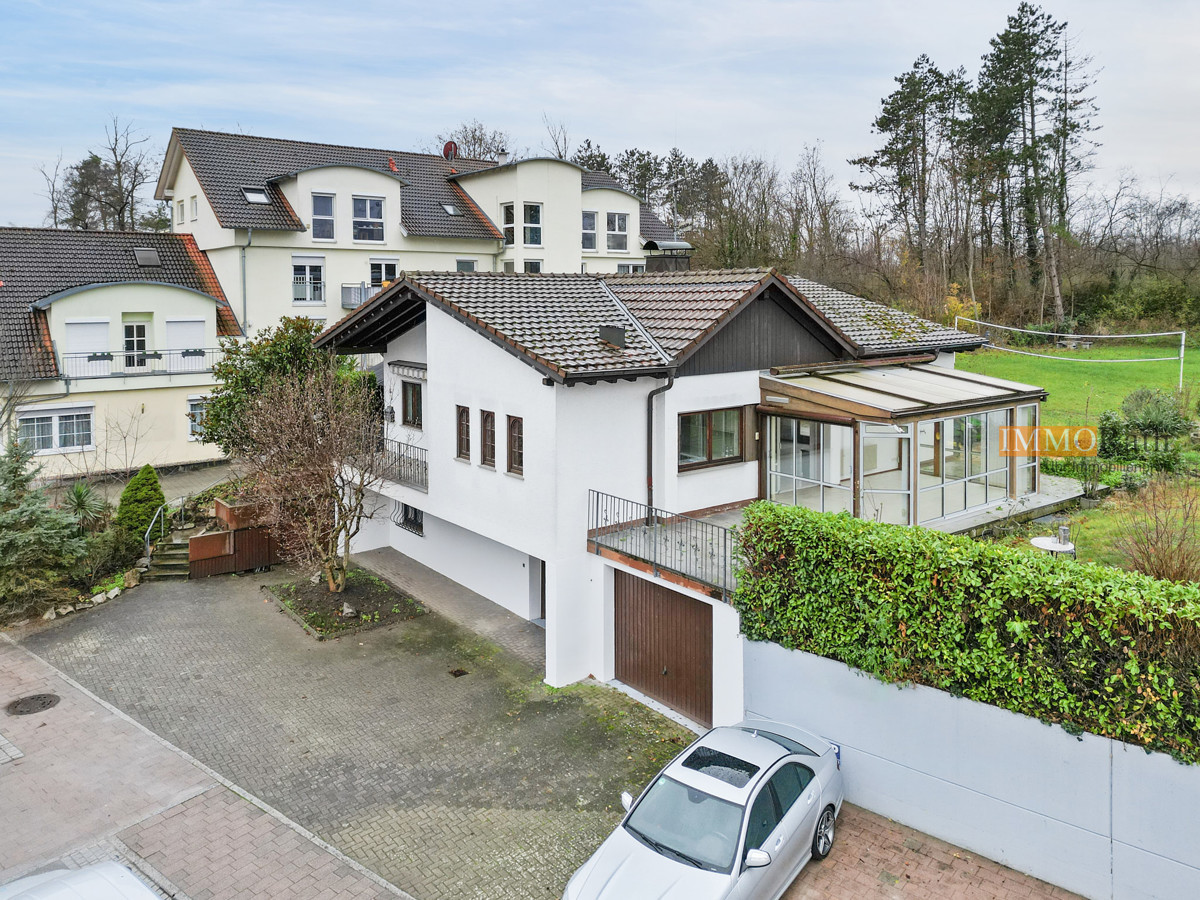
<point x="86" y="784"/>
<point x="486" y="785"/>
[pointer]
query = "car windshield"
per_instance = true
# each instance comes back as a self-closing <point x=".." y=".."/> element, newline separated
<point x="687" y="824"/>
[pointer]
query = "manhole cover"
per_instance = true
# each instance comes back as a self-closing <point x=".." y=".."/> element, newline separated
<point x="34" y="703"/>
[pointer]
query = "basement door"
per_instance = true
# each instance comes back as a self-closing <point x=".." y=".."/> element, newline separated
<point x="663" y="645"/>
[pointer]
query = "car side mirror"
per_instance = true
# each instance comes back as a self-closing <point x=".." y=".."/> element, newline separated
<point x="756" y="859"/>
<point x="626" y="800"/>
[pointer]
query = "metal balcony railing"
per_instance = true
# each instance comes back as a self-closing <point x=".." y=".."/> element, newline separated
<point x="355" y="295"/>
<point x="406" y="464"/>
<point x="124" y="364"/>
<point x="667" y="541"/>
<point x="307" y="290"/>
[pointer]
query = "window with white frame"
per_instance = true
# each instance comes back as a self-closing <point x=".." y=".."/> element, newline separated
<point x="618" y="231"/>
<point x="533" y="266"/>
<point x="383" y="272"/>
<point x="195" y="415"/>
<point x="509" y="221"/>
<point x="308" y="281"/>
<point x="195" y="208"/>
<point x="179" y="212"/>
<point x="589" y="230"/>
<point x="510" y="266"/>
<point x="630" y="268"/>
<point x="533" y="225"/>
<point x="368" y="218"/>
<point x="464" y="265"/>
<point x="47" y="430"/>
<point x="322" y="217"/>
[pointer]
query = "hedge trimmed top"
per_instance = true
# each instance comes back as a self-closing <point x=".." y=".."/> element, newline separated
<point x="1103" y="650"/>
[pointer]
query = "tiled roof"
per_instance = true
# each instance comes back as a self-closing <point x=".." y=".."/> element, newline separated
<point x="225" y="163"/>
<point x="678" y="307"/>
<point x="878" y="328"/>
<point x="553" y="319"/>
<point x="38" y="262"/>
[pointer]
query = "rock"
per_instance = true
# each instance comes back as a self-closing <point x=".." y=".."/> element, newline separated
<point x="143" y="563"/>
<point x="98" y="598"/>
<point x="64" y="610"/>
<point x="49" y="614"/>
<point x="132" y="578"/>
<point x="316" y="579"/>
<point x="114" y="593"/>
<point x="348" y="611"/>
<point x="142" y="570"/>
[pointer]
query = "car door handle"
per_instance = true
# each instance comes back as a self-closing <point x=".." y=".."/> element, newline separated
<point x="811" y="798"/>
<point x="778" y="842"/>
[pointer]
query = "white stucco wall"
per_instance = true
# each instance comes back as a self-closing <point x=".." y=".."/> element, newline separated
<point x="160" y="302"/>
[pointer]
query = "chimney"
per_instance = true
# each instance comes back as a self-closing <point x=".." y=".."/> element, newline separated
<point x="614" y="335"/>
<point x="502" y="157"/>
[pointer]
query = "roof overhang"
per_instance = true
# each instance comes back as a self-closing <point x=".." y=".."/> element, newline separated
<point x="488" y="170"/>
<point x="170" y="167"/>
<point x="45" y="302"/>
<point x="275" y="179"/>
<point x="891" y="393"/>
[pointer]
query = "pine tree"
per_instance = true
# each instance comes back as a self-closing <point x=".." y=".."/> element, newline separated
<point x="37" y="542"/>
<point x="140" y="500"/>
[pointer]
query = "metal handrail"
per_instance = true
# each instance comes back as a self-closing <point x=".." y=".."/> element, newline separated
<point x="670" y="542"/>
<point x="182" y="501"/>
<point x="136" y="363"/>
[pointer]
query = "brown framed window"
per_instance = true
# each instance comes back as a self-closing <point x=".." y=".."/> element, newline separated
<point x="487" y="437"/>
<point x="710" y="438"/>
<point x="516" y="445"/>
<point x="462" y="442"/>
<point x="410" y="397"/>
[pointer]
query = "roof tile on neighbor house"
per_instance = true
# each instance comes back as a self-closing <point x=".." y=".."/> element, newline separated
<point x="36" y="263"/>
<point x="878" y="328"/>
<point x="554" y="319"/>
<point x="226" y="163"/>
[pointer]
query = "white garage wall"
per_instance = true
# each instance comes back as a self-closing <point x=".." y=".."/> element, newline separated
<point x="1098" y="817"/>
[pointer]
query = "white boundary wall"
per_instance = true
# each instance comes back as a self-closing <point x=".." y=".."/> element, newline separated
<point x="1098" y="817"/>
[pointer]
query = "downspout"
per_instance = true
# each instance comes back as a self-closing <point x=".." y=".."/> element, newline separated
<point x="662" y="389"/>
<point x="249" y="240"/>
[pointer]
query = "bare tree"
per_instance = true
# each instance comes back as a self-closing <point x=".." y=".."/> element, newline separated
<point x="315" y="453"/>
<point x="1159" y="530"/>
<point x="475" y="141"/>
<point x="558" y="136"/>
<point x="55" y="192"/>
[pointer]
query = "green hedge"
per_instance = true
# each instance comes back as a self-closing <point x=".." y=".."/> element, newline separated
<point x="1093" y="648"/>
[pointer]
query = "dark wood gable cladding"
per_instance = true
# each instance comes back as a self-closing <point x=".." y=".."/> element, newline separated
<point x="368" y="330"/>
<point x="769" y="329"/>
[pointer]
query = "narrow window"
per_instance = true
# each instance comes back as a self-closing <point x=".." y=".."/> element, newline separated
<point x="589" y="231"/>
<point x="618" y="231"/>
<point x="179" y="213"/>
<point x="487" y="438"/>
<point x="533" y="266"/>
<point x="322" y="217"/>
<point x="412" y="519"/>
<point x="195" y="414"/>
<point x="709" y="438"/>
<point x="410" y="397"/>
<point x="195" y="209"/>
<point x="308" y="283"/>
<point x="533" y="225"/>
<point x="462" y="436"/>
<point x="509" y="266"/>
<point x="516" y="445"/>
<point x="508" y="217"/>
<point x="367" y="218"/>
<point x="135" y="345"/>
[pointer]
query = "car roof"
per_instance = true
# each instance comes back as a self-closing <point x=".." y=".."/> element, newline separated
<point x="102" y="881"/>
<point x="815" y="743"/>
<point x="759" y="751"/>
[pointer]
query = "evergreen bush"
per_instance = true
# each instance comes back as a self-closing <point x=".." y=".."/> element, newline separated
<point x="1112" y="652"/>
<point x="140" y="501"/>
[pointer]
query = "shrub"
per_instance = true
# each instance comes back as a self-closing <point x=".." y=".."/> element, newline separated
<point x="140" y="501"/>
<point x="1115" y="440"/>
<point x="1116" y="653"/>
<point x="109" y="552"/>
<point x="1160" y="530"/>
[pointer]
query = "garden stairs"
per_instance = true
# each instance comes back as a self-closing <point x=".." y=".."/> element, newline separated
<point x="169" y="560"/>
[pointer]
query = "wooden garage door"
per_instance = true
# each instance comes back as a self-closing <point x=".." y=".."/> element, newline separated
<point x="663" y="643"/>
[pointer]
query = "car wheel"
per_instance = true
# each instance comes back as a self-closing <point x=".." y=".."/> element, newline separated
<point x="823" y="838"/>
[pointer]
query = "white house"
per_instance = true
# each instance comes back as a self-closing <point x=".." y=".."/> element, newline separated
<point x="107" y="343"/>
<point x="543" y="423"/>
<point x="294" y="228"/>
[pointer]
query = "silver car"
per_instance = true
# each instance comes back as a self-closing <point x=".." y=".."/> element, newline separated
<point x="735" y="815"/>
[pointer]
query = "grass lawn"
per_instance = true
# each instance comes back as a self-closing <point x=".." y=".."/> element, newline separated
<point x="1080" y="391"/>
<point x="1094" y="531"/>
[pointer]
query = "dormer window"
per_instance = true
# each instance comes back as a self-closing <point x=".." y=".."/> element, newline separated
<point x="146" y="257"/>
<point x="451" y="209"/>
<point x="256" y="195"/>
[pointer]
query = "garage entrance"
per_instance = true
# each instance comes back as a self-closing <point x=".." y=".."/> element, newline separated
<point x="663" y="645"/>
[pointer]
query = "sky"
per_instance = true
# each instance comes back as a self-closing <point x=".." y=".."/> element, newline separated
<point x="712" y="78"/>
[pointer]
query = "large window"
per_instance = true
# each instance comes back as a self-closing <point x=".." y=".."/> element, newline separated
<point x="959" y="465"/>
<point x="487" y="438"/>
<point x="368" y="218"/>
<point x="508" y="218"/>
<point x="516" y="445"/>
<point x="308" y="282"/>
<point x="410" y="403"/>
<point x="322" y="217"/>
<point x="533" y="225"/>
<point x="709" y="438"/>
<point x="589" y="230"/>
<point x="810" y="464"/>
<point x="618" y="231"/>
<point x="462" y="432"/>
<point x="886" y="472"/>
<point x="59" y="429"/>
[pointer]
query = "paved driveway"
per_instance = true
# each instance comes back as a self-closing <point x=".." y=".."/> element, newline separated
<point x="483" y="786"/>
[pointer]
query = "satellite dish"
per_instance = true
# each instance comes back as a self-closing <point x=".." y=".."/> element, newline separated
<point x="449" y="151"/>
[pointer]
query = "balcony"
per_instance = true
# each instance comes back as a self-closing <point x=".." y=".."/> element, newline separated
<point x="308" y="290"/>
<point x="355" y="295"/>
<point x="122" y="364"/>
<point x="694" y="549"/>
<point x="405" y="464"/>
